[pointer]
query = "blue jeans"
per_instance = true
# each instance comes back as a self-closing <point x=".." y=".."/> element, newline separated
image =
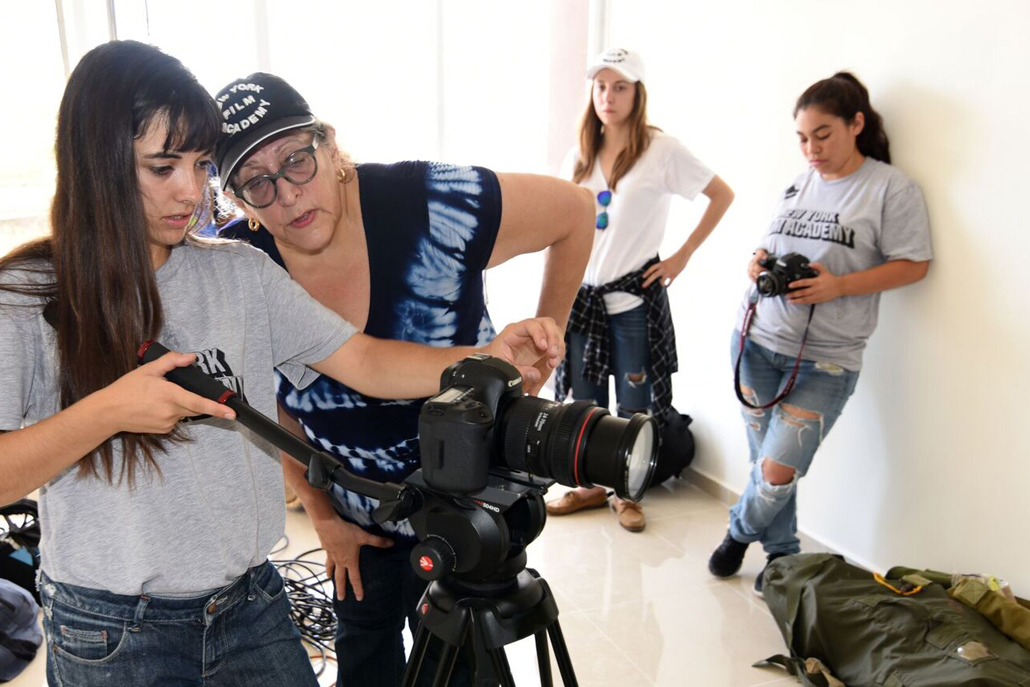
<point x="241" y="635"/>
<point x="369" y="640"/>
<point x="630" y="356"/>
<point x="768" y="512"/>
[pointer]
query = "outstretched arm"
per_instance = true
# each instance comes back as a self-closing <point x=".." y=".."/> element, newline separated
<point x="397" y="369"/>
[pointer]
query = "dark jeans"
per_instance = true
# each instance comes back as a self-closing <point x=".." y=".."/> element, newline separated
<point x="240" y="636"/>
<point x="630" y="355"/>
<point x="369" y="643"/>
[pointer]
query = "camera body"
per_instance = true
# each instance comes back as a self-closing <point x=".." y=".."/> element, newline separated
<point x="781" y="271"/>
<point x="457" y="427"/>
<point x="481" y="422"/>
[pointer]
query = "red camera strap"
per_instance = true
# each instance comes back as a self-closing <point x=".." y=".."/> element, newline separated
<point x="744" y="328"/>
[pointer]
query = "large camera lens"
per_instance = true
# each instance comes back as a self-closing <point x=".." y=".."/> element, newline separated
<point x="580" y="444"/>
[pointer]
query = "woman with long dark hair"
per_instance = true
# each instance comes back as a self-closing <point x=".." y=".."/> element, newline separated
<point x="621" y="324"/>
<point x="862" y="227"/>
<point x="158" y="513"/>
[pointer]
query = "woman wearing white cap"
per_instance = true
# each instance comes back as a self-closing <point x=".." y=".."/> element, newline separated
<point x="621" y="322"/>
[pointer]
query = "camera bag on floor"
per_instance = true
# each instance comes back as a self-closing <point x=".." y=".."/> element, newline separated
<point x="880" y="632"/>
<point x="676" y="450"/>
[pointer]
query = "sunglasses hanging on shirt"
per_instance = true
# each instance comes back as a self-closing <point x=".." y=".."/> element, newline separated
<point x="604" y="198"/>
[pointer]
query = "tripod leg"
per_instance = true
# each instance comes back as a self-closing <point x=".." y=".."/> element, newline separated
<point x="561" y="655"/>
<point x="418" y="652"/>
<point x="543" y="658"/>
<point x="501" y="668"/>
<point x="443" y="671"/>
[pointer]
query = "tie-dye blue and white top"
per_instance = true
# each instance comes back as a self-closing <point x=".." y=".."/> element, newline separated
<point x="430" y="230"/>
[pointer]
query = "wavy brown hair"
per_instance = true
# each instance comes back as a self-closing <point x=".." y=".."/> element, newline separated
<point x="95" y="269"/>
<point x="591" y="135"/>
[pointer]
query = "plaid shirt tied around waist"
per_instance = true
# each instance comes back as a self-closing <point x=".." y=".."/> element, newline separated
<point x="590" y="318"/>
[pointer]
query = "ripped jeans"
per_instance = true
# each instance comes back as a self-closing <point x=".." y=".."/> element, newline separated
<point x="630" y="363"/>
<point x="789" y="433"/>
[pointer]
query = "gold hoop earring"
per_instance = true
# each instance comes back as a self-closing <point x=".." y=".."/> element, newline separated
<point x="341" y="175"/>
<point x="253" y="224"/>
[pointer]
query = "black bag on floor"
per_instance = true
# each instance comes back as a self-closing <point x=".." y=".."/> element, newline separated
<point x="882" y="633"/>
<point x="676" y="450"/>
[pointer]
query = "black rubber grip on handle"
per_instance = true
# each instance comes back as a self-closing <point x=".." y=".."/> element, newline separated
<point x="190" y="378"/>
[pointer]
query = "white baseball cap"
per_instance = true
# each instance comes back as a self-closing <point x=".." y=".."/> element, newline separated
<point x="625" y="62"/>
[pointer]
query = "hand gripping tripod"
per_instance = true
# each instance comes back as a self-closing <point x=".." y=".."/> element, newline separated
<point x="472" y="549"/>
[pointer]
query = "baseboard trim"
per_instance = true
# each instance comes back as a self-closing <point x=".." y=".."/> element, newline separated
<point x="709" y="486"/>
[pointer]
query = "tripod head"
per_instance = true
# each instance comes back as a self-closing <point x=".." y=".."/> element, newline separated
<point x="481" y="537"/>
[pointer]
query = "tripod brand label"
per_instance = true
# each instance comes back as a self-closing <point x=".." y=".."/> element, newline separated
<point x="488" y="506"/>
<point x="426" y="563"/>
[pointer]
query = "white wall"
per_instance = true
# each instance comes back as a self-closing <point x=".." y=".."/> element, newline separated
<point x="928" y="465"/>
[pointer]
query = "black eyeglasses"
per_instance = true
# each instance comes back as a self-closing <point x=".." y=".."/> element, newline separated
<point x="298" y="169"/>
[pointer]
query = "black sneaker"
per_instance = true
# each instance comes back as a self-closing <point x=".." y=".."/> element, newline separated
<point x="726" y="559"/>
<point x="761" y="576"/>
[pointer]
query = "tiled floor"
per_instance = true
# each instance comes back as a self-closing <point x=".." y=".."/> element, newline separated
<point x="636" y="609"/>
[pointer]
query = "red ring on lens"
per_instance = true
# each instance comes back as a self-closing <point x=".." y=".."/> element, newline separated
<point x="579" y="440"/>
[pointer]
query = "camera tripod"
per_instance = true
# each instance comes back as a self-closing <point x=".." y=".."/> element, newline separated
<point x="483" y="618"/>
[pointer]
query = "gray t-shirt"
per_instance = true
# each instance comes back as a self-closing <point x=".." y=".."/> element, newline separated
<point x="217" y="508"/>
<point x="869" y="217"/>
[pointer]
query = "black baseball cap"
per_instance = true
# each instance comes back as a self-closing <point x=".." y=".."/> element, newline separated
<point x="254" y="109"/>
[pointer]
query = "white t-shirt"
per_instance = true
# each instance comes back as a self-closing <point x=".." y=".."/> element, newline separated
<point x="638" y="211"/>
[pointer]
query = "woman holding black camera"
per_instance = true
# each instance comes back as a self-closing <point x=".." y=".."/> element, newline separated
<point x="863" y="227"/>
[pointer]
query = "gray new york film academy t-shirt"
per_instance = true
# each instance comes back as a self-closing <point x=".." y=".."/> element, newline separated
<point x="217" y="508"/>
<point x="872" y="216"/>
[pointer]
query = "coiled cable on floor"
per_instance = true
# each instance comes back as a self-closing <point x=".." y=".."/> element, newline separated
<point x="311" y="603"/>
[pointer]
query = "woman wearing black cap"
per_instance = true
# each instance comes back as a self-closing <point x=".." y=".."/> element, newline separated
<point x="400" y="251"/>
<point x="158" y="512"/>
<point x="622" y="325"/>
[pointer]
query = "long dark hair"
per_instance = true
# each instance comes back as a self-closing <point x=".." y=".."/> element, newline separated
<point x="844" y="96"/>
<point x="591" y="135"/>
<point x="103" y="287"/>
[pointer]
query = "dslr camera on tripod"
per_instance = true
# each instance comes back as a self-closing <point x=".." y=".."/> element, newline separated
<point x="488" y="456"/>
<point x="781" y="271"/>
<point x="480" y="421"/>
